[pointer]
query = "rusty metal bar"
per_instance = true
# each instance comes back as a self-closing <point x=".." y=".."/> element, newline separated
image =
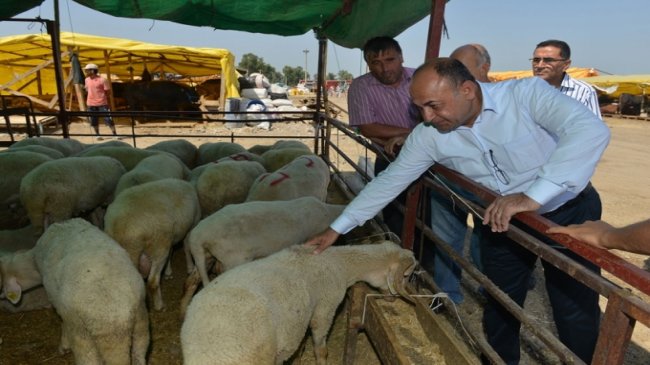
<point x="436" y="23"/>
<point x="615" y="333"/>
<point x="608" y="261"/>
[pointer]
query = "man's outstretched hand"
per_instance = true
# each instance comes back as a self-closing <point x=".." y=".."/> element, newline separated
<point x="323" y="240"/>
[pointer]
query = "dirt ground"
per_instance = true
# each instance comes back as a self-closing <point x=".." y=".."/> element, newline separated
<point x="622" y="178"/>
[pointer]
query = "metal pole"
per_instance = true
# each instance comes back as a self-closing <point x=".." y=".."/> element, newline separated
<point x="305" y="51"/>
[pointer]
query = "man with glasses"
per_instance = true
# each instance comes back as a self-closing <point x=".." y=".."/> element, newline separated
<point x="550" y="61"/>
<point x="533" y="146"/>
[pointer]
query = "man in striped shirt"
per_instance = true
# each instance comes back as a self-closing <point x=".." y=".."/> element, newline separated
<point x="550" y="61"/>
<point x="380" y="108"/>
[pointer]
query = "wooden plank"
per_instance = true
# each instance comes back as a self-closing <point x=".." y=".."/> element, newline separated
<point x="381" y="336"/>
<point x="355" y="311"/>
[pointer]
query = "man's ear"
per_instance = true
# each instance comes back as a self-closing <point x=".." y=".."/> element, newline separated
<point x="467" y="89"/>
<point x="566" y="67"/>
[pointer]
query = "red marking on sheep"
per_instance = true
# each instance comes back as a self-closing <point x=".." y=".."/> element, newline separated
<point x="263" y="176"/>
<point x="282" y="178"/>
<point x="310" y="162"/>
<point x="239" y="157"/>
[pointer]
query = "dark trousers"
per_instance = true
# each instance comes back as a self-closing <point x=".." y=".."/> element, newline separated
<point x="575" y="306"/>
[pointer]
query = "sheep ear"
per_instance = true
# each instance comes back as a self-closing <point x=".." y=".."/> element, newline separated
<point x="12" y="290"/>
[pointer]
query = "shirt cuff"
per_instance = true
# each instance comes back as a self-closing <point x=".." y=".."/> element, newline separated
<point x="343" y="224"/>
<point x="543" y="191"/>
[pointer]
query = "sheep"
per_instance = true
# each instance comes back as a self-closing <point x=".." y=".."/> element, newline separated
<point x="224" y="183"/>
<point x="289" y="143"/>
<point x="147" y="220"/>
<point x="181" y="148"/>
<point x="47" y="151"/>
<point x="274" y="159"/>
<point x="94" y="288"/>
<point x="60" y="189"/>
<point x="277" y="224"/>
<point x="152" y="168"/>
<point x="304" y="176"/>
<point x="210" y="152"/>
<point x="258" y="313"/>
<point x="129" y="157"/>
<point x="11" y="241"/>
<point x="66" y="146"/>
<point x="111" y="143"/>
<point x="13" y="167"/>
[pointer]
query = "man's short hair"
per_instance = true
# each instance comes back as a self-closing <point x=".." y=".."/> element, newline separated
<point x="565" y="50"/>
<point x="448" y="68"/>
<point x="380" y="44"/>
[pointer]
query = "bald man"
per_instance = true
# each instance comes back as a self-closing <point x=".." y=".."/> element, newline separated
<point x="476" y="58"/>
<point x="533" y="146"/>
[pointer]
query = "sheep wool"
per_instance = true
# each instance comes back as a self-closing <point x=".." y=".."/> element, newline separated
<point x="181" y="148"/>
<point x="156" y="167"/>
<point x="259" y="312"/>
<point x="304" y="176"/>
<point x="226" y="182"/>
<point x="147" y="220"/>
<point x="60" y="189"/>
<point x="96" y="291"/>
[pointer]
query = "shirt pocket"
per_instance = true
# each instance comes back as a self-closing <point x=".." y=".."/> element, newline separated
<point x="527" y="152"/>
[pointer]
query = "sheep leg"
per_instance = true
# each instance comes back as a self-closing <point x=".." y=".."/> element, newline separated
<point x="199" y="256"/>
<point x="140" y="336"/>
<point x="320" y="324"/>
<point x="188" y="256"/>
<point x="113" y="350"/>
<point x="65" y="345"/>
<point x="168" y="266"/>
<point x="189" y="287"/>
<point x="84" y="349"/>
<point x="153" y="282"/>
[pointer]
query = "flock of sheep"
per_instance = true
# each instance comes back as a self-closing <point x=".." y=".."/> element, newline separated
<point x="89" y="222"/>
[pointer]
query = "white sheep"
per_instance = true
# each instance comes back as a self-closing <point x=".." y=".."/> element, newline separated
<point x="181" y="148"/>
<point x="12" y="241"/>
<point x="305" y="176"/>
<point x="13" y="167"/>
<point x="129" y="157"/>
<point x="47" y="151"/>
<point x="239" y="233"/>
<point x="211" y="152"/>
<point x="276" y="158"/>
<point x="147" y="220"/>
<point x="226" y="182"/>
<point x="156" y="167"/>
<point x="66" y="146"/>
<point x="258" y="313"/>
<point x="94" y="288"/>
<point x="60" y="189"/>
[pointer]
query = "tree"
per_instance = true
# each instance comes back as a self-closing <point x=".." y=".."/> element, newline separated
<point x="293" y="74"/>
<point x="345" y="75"/>
<point x="331" y="76"/>
<point x="253" y="63"/>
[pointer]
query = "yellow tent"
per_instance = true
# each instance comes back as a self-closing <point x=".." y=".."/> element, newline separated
<point x="575" y="72"/>
<point x="26" y="64"/>
<point x="615" y="85"/>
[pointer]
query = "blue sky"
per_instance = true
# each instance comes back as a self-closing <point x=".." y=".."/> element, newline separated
<point x="611" y="36"/>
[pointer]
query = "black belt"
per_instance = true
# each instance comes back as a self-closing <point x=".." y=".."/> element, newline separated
<point x="573" y="202"/>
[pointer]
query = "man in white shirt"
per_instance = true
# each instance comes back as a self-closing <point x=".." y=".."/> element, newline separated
<point x="535" y="147"/>
<point x="550" y="61"/>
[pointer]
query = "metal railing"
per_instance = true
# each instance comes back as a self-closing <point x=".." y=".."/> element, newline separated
<point x="624" y="308"/>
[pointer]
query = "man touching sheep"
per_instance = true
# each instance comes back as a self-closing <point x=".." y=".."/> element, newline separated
<point x="529" y="143"/>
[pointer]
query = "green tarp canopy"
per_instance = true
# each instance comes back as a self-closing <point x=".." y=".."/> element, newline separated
<point x="348" y="23"/>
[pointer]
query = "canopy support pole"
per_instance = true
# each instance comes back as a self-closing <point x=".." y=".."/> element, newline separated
<point x="436" y="23"/>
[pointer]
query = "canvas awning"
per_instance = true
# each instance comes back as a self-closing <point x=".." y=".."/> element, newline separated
<point x="26" y="64"/>
<point x="615" y="85"/>
<point x="575" y="72"/>
<point x="348" y="23"/>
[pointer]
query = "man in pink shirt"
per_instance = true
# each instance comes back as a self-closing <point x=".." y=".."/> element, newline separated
<point x="97" y="88"/>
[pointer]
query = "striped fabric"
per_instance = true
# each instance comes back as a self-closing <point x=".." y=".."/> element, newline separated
<point x="581" y="91"/>
<point x="370" y="101"/>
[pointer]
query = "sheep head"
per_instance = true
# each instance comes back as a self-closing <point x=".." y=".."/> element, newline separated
<point x="401" y="267"/>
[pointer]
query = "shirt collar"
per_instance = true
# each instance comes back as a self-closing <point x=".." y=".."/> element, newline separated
<point x="566" y="81"/>
<point x="488" y="102"/>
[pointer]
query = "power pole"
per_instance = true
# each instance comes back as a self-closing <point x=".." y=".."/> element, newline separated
<point x="305" y="51"/>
